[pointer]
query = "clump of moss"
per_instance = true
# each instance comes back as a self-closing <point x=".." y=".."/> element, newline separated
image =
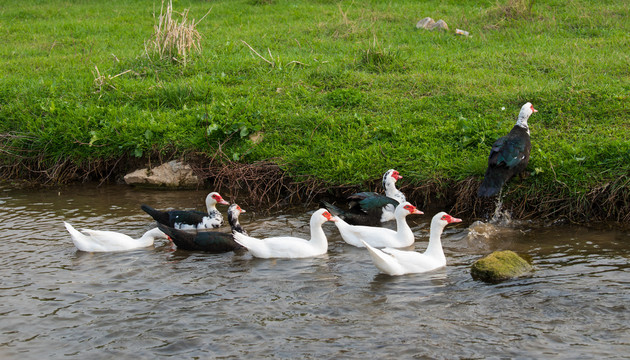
<point x="499" y="266"/>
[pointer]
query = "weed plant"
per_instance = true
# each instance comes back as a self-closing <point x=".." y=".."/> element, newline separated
<point x="174" y="40"/>
<point x="331" y="90"/>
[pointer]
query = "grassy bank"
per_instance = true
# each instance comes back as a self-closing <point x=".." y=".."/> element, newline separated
<point x="335" y="92"/>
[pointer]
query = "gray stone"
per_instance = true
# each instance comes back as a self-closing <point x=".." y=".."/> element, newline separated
<point x="426" y="23"/>
<point x="171" y="174"/>
<point x="429" y="24"/>
<point x="440" y="25"/>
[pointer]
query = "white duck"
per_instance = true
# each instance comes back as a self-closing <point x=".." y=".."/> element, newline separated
<point x="288" y="246"/>
<point x="398" y="262"/>
<point x="356" y="235"/>
<point x="104" y="241"/>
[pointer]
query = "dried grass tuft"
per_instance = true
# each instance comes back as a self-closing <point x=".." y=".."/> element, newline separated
<point x="174" y="40"/>
<point x="102" y="82"/>
<point x="512" y="10"/>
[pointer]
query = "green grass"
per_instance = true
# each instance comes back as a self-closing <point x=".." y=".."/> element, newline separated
<point x="345" y="90"/>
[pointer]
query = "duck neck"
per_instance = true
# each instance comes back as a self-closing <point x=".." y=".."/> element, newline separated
<point x="402" y="228"/>
<point x="235" y="225"/>
<point x="392" y="192"/>
<point x="434" y="249"/>
<point x="211" y="208"/>
<point x="522" y="122"/>
<point x="318" y="237"/>
<point x="149" y="237"/>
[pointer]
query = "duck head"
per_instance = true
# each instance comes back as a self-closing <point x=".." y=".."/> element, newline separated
<point x="234" y="211"/>
<point x="442" y="219"/>
<point x="526" y="111"/>
<point x="390" y="175"/>
<point x="214" y="198"/>
<point x="406" y="208"/>
<point x="322" y="215"/>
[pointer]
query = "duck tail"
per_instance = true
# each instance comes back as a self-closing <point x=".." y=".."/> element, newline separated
<point x="77" y="238"/>
<point x="333" y="209"/>
<point x="159" y="216"/>
<point x="492" y="183"/>
<point x="383" y="261"/>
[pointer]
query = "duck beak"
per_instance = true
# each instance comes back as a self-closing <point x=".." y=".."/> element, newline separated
<point x="222" y="201"/>
<point x="329" y="217"/>
<point x="416" y="211"/>
<point x="455" y="220"/>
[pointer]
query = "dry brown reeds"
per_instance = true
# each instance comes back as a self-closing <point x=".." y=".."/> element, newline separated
<point x="172" y="39"/>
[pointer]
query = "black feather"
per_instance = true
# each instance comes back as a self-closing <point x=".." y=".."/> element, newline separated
<point x="205" y="240"/>
<point x="509" y="156"/>
<point x="172" y="217"/>
<point x="365" y="209"/>
<point x="208" y="241"/>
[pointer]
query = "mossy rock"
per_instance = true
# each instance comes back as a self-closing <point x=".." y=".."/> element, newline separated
<point x="499" y="266"/>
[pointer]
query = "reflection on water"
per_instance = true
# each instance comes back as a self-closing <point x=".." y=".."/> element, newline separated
<point x="59" y="302"/>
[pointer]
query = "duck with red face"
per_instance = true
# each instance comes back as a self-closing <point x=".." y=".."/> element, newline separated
<point x="357" y="235"/>
<point x="191" y="219"/>
<point x="290" y="247"/>
<point x="509" y="155"/>
<point x="371" y="208"/>
<point x="398" y="262"/>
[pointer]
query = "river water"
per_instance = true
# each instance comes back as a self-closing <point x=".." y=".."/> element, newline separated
<point x="58" y="302"/>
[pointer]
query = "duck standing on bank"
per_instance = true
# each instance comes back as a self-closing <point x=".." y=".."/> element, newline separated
<point x="106" y="241"/>
<point x="358" y="235"/>
<point x="371" y="208"/>
<point x="208" y="241"/>
<point x="398" y="262"/>
<point x="190" y="219"/>
<point x="288" y="246"/>
<point x="509" y="155"/>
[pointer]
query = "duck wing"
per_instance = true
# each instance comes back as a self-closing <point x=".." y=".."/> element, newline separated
<point x="354" y="216"/>
<point x="508" y="152"/>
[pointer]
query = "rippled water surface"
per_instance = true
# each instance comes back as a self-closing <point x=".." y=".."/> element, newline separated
<point x="58" y="302"/>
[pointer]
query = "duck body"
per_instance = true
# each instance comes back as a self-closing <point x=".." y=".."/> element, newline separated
<point x="288" y="246"/>
<point x="398" y="262"/>
<point x="207" y="241"/>
<point x="190" y="219"/>
<point x="106" y="241"/>
<point x="509" y="155"/>
<point x="358" y="235"/>
<point x="366" y="208"/>
<point x="371" y="208"/>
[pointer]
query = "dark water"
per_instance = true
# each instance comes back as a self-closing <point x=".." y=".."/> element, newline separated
<point x="57" y="302"/>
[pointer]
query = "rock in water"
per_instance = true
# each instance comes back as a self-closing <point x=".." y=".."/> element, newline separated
<point x="499" y="266"/>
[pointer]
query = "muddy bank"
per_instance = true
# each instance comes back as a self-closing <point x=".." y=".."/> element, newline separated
<point x="268" y="183"/>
